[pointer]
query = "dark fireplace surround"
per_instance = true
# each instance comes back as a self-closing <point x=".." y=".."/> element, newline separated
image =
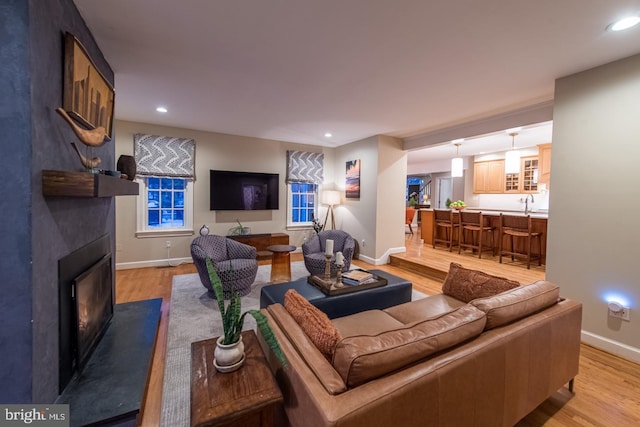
<point x="96" y="254"/>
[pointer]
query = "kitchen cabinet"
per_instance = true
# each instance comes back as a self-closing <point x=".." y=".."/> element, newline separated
<point x="544" y="156"/>
<point x="488" y="177"/>
<point x="529" y="172"/>
<point x="527" y="180"/>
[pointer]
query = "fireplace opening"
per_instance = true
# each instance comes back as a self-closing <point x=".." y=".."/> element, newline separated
<point x="85" y="300"/>
<point x="93" y="308"/>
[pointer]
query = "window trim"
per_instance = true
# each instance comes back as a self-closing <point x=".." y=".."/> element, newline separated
<point x="142" y="213"/>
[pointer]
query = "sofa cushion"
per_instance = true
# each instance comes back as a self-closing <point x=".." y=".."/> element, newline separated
<point x="369" y="322"/>
<point x="517" y="303"/>
<point x="361" y="358"/>
<point x="424" y="308"/>
<point x="313" y="322"/>
<point x="466" y="285"/>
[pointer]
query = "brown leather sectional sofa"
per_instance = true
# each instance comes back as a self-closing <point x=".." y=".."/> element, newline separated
<point x="437" y="361"/>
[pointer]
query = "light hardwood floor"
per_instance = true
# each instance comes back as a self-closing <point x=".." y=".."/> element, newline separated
<point x="607" y="389"/>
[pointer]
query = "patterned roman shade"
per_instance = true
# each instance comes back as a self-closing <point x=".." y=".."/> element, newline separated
<point x="164" y="155"/>
<point x="305" y="167"/>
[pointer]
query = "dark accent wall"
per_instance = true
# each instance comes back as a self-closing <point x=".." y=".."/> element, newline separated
<point x="15" y="200"/>
<point x="45" y="229"/>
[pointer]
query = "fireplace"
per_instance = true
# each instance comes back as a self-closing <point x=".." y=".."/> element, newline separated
<point x="85" y="279"/>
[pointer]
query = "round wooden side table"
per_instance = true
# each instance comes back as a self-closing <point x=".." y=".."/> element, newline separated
<point x="281" y="263"/>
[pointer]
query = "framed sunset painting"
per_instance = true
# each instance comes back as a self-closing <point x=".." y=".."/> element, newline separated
<point x="352" y="188"/>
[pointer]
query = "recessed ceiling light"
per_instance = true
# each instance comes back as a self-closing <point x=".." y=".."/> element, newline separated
<point x="328" y="134"/>
<point x="624" y="23"/>
<point x="161" y="110"/>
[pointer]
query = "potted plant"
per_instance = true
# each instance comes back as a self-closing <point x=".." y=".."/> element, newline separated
<point x="229" y="352"/>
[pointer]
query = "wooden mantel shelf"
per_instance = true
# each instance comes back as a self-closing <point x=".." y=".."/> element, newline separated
<point x="84" y="184"/>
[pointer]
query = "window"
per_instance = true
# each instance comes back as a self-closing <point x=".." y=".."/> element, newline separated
<point x="165" y="206"/>
<point x="302" y="206"/>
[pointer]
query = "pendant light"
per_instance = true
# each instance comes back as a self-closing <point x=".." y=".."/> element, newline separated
<point x="456" y="164"/>
<point x="512" y="157"/>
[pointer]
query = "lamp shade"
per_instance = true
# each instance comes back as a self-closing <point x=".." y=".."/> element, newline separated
<point x="512" y="161"/>
<point x="330" y="197"/>
<point x="456" y="167"/>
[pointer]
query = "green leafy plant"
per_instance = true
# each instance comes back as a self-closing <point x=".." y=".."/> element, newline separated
<point x="233" y="320"/>
<point x="412" y="199"/>
<point x="448" y="203"/>
<point x="317" y="227"/>
<point x="238" y="230"/>
<point x="457" y="204"/>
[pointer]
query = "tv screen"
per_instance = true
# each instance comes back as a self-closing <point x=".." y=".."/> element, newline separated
<point x="94" y="307"/>
<point x="237" y="191"/>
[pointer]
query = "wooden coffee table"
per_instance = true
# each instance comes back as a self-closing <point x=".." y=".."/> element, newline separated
<point x="247" y="397"/>
<point x="281" y="263"/>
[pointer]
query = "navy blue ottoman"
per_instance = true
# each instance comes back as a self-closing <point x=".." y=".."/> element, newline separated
<point x="397" y="291"/>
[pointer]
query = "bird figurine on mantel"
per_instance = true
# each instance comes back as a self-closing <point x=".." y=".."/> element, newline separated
<point x="87" y="162"/>
<point x="93" y="138"/>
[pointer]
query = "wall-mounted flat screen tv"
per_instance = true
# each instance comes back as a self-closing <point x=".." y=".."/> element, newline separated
<point x="237" y="191"/>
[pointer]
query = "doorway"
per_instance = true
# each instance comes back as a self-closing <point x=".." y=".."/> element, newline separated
<point x="445" y="191"/>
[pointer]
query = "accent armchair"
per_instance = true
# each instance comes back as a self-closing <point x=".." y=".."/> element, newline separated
<point x="234" y="262"/>
<point x="313" y="251"/>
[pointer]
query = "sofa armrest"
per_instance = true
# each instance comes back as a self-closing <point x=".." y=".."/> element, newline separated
<point x="314" y="359"/>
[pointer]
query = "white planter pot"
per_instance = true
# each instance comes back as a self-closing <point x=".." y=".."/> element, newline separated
<point x="228" y="357"/>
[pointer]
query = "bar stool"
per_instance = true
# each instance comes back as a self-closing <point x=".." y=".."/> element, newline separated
<point x="519" y="226"/>
<point x="474" y="224"/>
<point x="444" y="219"/>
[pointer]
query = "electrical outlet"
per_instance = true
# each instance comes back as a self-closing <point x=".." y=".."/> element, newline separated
<point x="167" y="244"/>
<point x="363" y="242"/>
<point x="622" y="314"/>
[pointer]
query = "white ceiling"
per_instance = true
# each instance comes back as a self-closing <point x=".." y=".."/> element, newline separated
<point x="292" y="70"/>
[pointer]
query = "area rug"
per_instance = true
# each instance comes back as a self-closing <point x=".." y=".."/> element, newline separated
<point x="193" y="316"/>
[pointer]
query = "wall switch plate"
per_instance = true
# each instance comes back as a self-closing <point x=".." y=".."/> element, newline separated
<point x="168" y="244"/>
<point x="622" y="314"/>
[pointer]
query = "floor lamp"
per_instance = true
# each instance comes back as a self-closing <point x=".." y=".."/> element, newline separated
<point x="331" y="198"/>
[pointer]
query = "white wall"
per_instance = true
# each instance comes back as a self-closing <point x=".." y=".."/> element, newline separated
<point x="376" y="220"/>
<point x="592" y="248"/>
<point x="213" y="151"/>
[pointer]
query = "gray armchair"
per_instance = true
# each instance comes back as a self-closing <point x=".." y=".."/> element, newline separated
<point x="234" y="262"/>
<point x="313" y="251"/>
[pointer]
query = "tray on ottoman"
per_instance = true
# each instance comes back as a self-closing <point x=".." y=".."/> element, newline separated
<point x="330" y="288"/>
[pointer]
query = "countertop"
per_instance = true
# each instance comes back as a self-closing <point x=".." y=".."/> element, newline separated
<point x="536" y="214"/>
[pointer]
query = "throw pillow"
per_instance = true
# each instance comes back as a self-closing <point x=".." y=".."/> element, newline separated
<point x="313" y="322"/>
<point x="466" y="285"/>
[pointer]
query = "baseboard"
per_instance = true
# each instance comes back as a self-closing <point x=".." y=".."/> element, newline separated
<point x="625" y="351"/>
<point x="384" y="259"/>
<point x="172" y="262"/>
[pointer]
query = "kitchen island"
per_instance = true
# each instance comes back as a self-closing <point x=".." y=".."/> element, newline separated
<point x="492" y="217"/>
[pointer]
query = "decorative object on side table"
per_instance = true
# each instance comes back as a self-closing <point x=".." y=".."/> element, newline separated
<point x="229" y="352"/>
<point x="204" y="230"/>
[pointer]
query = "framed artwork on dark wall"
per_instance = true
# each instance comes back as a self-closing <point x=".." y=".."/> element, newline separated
<point x="87" y="96"/>
<point x="352" y="185"/>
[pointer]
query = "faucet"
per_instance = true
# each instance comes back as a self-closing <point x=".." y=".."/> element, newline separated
<point x="526" y="203"/>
